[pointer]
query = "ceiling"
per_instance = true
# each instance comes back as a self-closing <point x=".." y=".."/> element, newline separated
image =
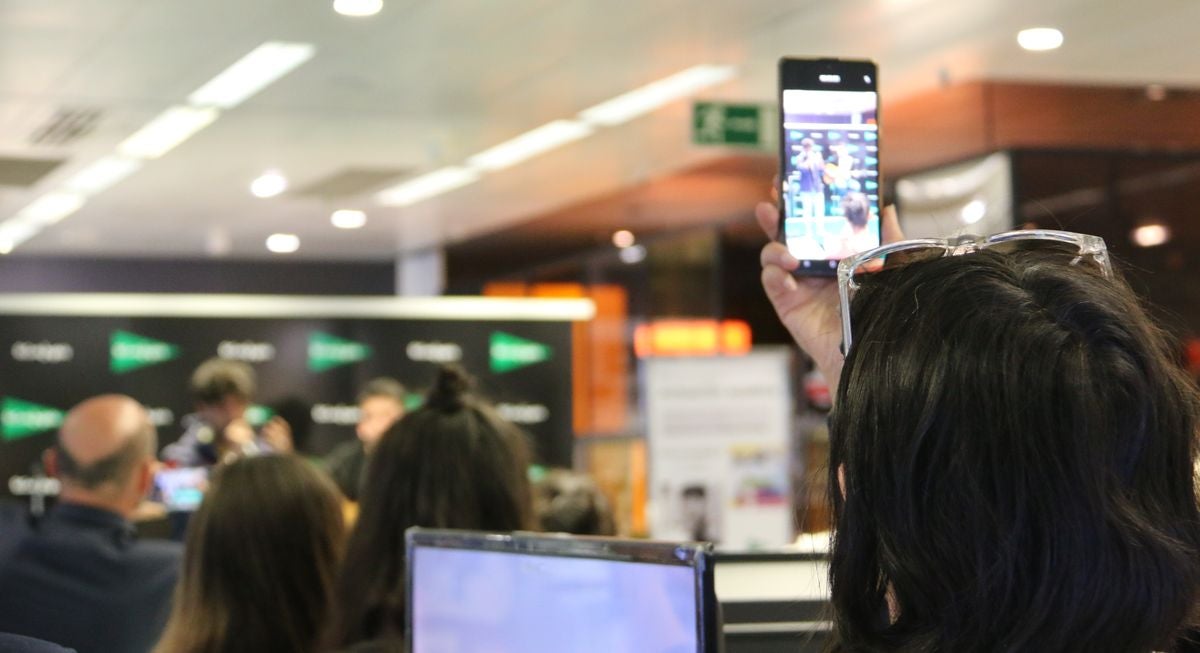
<point x="427" y="84"/>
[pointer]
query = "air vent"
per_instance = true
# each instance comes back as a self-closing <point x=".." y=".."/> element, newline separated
<point x="66" y="126"/>
<point x="351" y="181"/>
<point x="25" y="172"/>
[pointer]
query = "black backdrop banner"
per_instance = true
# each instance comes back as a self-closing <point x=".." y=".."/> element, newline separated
<point x="309" y="367"/>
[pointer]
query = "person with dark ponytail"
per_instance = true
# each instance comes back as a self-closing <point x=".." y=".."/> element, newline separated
<point x="1012" y="447"/>
<point x="453" y="463"/>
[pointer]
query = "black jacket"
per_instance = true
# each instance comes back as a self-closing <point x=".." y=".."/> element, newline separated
<point x="347" y="464"/>
<point x="81" y="578"/>
<point x="18" y="644"/>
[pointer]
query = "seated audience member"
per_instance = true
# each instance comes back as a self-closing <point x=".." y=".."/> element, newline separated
<point x="18" y="644"/>
<point x="260" y="563"/>
<point x="453" y="463"/>
<point x="567" y="502"/>
<point x="80" y="577"/>
<point x="380" y="404"/>
<point x="1011" y="451"/>
<point x="218" y="431"/>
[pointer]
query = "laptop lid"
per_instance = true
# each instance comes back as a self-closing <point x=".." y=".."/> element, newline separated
<point x="534" y="593"/>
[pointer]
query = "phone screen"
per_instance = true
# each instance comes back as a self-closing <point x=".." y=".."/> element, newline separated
<point x="182" y="490"/>
<point x="829" y="173"/>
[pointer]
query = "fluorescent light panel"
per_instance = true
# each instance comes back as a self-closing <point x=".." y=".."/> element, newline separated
<point x="169" y="129"/>
<point x="102" y="174"/>
<point x="624" y="108"/>
<point x="13" y="233"/>
<point x="530" y="144"/>
<point x="49" y="209"/>
<point x="426" y="186"/>
<point x="252" y="73"/>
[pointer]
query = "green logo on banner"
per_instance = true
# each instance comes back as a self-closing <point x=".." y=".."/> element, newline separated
<point x="258" y="415"/>
<point x="326" y="352"/>
<point x="509" y="352"/>
<point x="22" y="419"/>
<point x="129" y="352"/>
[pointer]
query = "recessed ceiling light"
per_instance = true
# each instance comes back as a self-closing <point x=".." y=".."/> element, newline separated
<point x="973" y="212"/>
<point x="169" y="129"/>
<point x="6" y="247"/>
<point x="348" y="219"/>
<point x="283" y="243"/>
<point x="251" y="74"/>
<point x="1039" y="39"/>
<point x="1151" y="235"/>
<point x="357" y="8"/>
<point x="623" y="238"/>
<point x="269" y="184"/>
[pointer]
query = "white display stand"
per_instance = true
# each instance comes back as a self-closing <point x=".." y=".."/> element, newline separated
<point x="718" y="432"/>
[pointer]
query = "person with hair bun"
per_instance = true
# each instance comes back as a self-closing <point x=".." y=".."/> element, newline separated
<point x="453" y="463"/>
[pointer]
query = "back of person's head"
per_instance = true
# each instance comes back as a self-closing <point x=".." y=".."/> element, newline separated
<point x="453" y="463"/>
<point x="260" y="561"/>
<point x="104" y="453"/>
<point x="857" y="209"/>
<point x="567" y="502"/>
<point x="218" y="378"/>
<point x="1016" y="450"/>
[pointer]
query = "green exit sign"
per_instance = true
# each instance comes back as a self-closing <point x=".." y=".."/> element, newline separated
<point x="719" y="123"/>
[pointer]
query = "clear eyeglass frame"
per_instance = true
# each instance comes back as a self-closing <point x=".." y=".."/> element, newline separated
<point x="1089" y="246"/>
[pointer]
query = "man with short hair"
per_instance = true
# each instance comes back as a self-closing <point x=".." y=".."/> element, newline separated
<point x="380" y="405"/>
<point x="79" y="576"/>
<point x="218" y="431"/>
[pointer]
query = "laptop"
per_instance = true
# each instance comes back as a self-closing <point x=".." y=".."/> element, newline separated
<point x="535" y="593"/>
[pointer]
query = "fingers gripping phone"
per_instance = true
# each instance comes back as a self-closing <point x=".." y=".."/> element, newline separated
<point x="828" y="161"/>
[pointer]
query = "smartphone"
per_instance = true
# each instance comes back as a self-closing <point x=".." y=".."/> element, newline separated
<point x="828" y="161"/>
<point x="182" y="490"/>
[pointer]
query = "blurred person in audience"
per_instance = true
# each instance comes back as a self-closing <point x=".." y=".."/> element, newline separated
<point x="453" y="463"/>
<point x="261" y="561"/>
<point x="218" y="431"/>
<point x="567" y="502"/>
<point x="1012" y="450"/>
<point x="80" y="576"/>
<point x="380" y="404"/>
<point x="859" y="237"/>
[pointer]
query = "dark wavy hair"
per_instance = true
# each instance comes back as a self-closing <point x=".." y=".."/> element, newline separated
<point x="1017" y="446"/>
<point x="453" y="463"/>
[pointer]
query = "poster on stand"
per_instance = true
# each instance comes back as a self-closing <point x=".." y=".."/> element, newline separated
<point x="719" y="432"/>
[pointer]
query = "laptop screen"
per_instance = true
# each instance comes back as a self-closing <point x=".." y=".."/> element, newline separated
<point x="542" y="594"/>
